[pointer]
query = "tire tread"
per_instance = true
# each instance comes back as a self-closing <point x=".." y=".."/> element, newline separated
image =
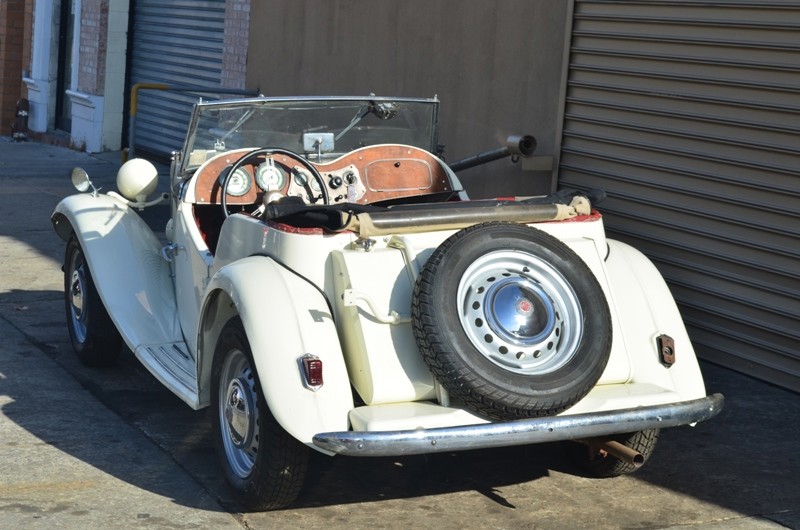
<point x="437" y="353"/>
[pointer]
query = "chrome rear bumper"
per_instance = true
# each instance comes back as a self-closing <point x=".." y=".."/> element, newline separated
<point x="520" y="432"/>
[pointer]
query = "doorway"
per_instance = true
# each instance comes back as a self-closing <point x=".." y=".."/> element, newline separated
<point x="66" y="36"/>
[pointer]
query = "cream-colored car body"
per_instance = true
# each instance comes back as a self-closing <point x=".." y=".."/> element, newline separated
<point x="280" y="282"/>
<point x="345" y="297"/>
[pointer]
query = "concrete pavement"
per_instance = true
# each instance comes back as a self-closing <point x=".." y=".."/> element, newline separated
<point x="83" y="448"/>
<point x="66" y="460"/>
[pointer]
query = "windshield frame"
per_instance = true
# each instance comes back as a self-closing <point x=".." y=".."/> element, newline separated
<point x="202" y="107"/>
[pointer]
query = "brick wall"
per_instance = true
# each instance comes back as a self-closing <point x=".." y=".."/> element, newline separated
<point x="234" y="45"/>
<point x="12" y="37"/>
<point x="94" y="34"/>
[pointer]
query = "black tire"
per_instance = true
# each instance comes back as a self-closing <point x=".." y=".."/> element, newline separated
<point x="511" y="321"/>
<point x="94" y="337"/>
<point x="262" y="463"/>
<point x="603" y="465"/>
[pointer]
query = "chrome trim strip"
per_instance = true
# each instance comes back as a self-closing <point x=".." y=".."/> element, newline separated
<point x="536" y="430"/>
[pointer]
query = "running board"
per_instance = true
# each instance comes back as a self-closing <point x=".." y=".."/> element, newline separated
<point x="173" y="366"/>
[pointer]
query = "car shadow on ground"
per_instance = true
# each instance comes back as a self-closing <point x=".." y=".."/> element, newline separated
<point x="745" y="459"/>
<point x="143" y="404"/>
<point x="752" y="444"/>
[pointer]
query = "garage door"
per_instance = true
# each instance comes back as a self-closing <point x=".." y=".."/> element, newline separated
<point x="688" y="115"/>
<point x="176" y="42"/>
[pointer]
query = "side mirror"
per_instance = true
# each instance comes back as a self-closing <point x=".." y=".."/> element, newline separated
<point x="80" y="179"/>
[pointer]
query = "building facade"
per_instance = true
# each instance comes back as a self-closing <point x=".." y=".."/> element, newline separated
<point x="15" y="52"/>
<point x="88" y="54"/>
<point x="686" y="113"/>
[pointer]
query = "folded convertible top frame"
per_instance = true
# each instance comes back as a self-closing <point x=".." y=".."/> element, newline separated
<point x="454" y="216"/>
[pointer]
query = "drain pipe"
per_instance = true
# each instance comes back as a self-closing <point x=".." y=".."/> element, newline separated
<point x="129" y="152"/>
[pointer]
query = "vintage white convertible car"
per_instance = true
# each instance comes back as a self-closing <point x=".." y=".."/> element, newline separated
<point x="325" y="284"/>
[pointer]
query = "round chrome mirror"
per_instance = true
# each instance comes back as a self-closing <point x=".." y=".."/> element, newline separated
<point x="80" y="179"/>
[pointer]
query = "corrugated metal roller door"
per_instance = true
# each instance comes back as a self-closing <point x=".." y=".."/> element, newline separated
<point x="688" y="115"/>
<point x="177" y="42"/>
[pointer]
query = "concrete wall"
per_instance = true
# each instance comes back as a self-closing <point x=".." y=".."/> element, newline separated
<point x="495" y="65"/>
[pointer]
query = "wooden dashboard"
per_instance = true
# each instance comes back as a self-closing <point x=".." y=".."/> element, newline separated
<point x="367" y="175"/>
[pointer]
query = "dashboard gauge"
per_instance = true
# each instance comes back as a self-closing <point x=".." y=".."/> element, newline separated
<point x="302" y="179"/>
<point x="239" y="183"/>
<point x="269" y="176"/>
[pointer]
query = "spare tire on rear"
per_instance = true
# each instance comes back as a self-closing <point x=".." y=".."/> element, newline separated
<point x="511" y="321"/>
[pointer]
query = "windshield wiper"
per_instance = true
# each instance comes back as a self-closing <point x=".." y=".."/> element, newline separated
<point x="246" y="116"/>
<point x="384" y="110"/>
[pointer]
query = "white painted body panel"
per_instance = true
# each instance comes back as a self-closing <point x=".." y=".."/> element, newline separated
<point x="286" y="317"/>
<point x="383" y="361"/>
<point x="288" y="288"/>
<point x="124" y="257"/>
<point x="192" y="262"/>
<point x="134" y="282"/>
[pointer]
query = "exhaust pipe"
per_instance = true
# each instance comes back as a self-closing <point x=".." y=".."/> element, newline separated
<point x="617" y="450"/>
<point x="623" y="453"/>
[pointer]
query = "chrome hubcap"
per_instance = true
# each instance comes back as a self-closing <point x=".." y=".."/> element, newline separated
<point x="238" y="413"/>
<point x="520" y="312"/>
<point x="77" y="301"/>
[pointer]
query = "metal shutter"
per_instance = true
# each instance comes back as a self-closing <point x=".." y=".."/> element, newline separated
<point x="688" y="114"/>
<point x="176" y="42"/>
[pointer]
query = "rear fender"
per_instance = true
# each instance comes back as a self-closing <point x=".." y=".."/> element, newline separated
<point x="647" y="309"/>
<point x="124" y="258"/>
<point x="284" y="317"/>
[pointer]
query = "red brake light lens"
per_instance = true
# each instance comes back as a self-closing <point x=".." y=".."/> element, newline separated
<point x="312" y="371"/>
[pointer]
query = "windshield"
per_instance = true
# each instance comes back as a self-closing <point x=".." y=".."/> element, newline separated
<point x="317" y="128"/>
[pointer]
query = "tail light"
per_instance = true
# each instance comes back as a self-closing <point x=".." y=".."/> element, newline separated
<point x="311" y="368"/>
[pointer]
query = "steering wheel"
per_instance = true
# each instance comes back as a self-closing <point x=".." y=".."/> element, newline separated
<point x="274" y="151"/>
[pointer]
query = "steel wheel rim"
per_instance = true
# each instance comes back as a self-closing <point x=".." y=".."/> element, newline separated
<point x="238" y="413"/>
<point x="77" y="299"/>
<point x="520" y="312"/>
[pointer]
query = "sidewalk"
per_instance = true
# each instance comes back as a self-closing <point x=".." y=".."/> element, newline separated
<point x="67" y="461"/>
<point x="81" y="448"/>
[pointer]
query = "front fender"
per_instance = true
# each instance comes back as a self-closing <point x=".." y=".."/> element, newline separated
<point x="124" y="257"/>
<point x="284" y="317"/>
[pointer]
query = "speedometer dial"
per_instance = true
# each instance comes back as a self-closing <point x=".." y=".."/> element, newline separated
<point x="270" y="176"/>
<point x="239" y="183"/>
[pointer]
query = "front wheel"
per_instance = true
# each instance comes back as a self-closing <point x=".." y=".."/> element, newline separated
<point x="94" y="337"/>
<point x="263" y="464"/>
